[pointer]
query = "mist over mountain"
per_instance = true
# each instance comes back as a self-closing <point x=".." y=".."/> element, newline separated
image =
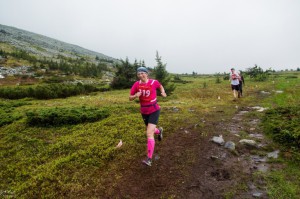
<point x="43" y="46"/>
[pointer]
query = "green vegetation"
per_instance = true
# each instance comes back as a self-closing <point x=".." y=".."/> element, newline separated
<point x="125" y="75"/>
<point x="282" y="124"/>
<point x="66" y="148"/>
<point x="46" y="91"/>
<point x="61" y="116"/>
<point x="7" y="111"/>
<point x="65" y="65"/>
<point x="258" y="74"/>
<point x="284" y="183"/>
<point x="162" y="75"/>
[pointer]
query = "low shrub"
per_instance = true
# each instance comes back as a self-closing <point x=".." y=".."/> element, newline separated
<point x="261" y="77"/>
<point x="46" y="91"/>
<point x="282" y="124"/>
<point x="291" y="77"/>
<point x="7" y="112"/>
<point x="64" y="116"/>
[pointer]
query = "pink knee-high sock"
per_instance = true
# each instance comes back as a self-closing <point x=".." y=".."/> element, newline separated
<point x="150" y="146"/>
<point x="156" y="131"/>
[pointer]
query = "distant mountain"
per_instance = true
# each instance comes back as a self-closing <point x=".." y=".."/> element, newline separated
<point x="43" y="46"/>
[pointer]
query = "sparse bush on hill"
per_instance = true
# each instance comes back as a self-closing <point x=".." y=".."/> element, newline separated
<point x="218" y="79"/>
<point x="54" y="79"/>
<point x="21" y="54"/>
<point x="257" y="73"/>
<point x="226" y="77"/>
<point x="178" y="79"/>
<point x="63" y="64"/>
<point x="64" y="116"/>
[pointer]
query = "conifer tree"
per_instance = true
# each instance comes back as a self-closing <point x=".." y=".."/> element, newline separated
<point x="125" y="75"/>
<point x="162" y="75"/>
<point x="135" y="66"/>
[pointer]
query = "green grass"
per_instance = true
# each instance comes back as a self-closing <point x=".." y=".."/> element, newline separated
<point x="284" y="183"/>
<point x="66" y="160"/>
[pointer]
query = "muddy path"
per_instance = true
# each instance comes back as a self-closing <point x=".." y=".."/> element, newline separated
<point x="187" y="164"/>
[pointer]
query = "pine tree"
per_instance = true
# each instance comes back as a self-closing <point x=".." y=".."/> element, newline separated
<point x="162" y="75"/>
<point x="135" y="66"/>
<point x="125" y="75"/>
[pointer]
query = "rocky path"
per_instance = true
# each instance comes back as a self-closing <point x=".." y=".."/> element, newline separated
<point x="193" y="163"/>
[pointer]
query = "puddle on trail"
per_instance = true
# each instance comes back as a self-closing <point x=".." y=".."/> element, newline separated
<point x="256" y="135"/>
<point x="254" y="122"/>
<point x="262" y="168"/>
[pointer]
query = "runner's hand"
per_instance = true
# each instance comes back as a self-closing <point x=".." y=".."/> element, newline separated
<point x="138" y="94"/>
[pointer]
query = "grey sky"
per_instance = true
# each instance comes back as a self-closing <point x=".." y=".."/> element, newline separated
<point x="204" y="36"/>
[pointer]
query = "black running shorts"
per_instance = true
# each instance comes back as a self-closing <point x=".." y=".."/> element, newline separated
<point x="151" y="118"/>
<point x="235" y="87"/>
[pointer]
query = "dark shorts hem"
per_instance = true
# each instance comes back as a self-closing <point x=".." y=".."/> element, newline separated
<point x="235" y="87"/>
<point x="151" y="118"/>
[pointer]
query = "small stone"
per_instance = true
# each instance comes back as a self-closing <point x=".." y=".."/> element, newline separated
<point x="273" y="154"/>
<point x="248" y="142"/>
<point x="258" y="159"/>
<point x="257" y="194"/>
<point x="218" y="139"/>
<point x="265" y="92"/>
<point x="256" y="135"/>
<point x="230" y="145"/>
<point x="262" y="168"/>
<point x="214" y="157"/>
<point x="251" y="186"/>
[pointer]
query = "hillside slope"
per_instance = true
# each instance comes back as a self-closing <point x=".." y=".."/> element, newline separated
<point x="43" y="46"/>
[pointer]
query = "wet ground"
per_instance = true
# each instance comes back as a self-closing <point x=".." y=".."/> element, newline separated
<point x="187" y="164"/>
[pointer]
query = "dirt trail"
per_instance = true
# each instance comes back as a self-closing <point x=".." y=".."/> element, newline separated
<point x="187" y="164"/>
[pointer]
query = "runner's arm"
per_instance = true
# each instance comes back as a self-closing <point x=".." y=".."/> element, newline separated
<point x="132" y="97"/>
<point x="162" y="91"/>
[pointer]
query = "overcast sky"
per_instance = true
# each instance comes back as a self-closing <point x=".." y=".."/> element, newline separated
<point x="203" y="36"/>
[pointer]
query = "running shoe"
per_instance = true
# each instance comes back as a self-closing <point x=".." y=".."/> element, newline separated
<point x="160" y="135"/>
<point x="148" y="162"/>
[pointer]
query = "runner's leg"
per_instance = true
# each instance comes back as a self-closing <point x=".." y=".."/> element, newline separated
<point x="150" y="139"/>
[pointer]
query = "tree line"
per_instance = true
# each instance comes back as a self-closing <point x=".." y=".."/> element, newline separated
<point x="67" y="65"/>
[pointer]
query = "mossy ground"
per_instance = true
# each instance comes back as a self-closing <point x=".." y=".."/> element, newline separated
<point x="82" y="161"/>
